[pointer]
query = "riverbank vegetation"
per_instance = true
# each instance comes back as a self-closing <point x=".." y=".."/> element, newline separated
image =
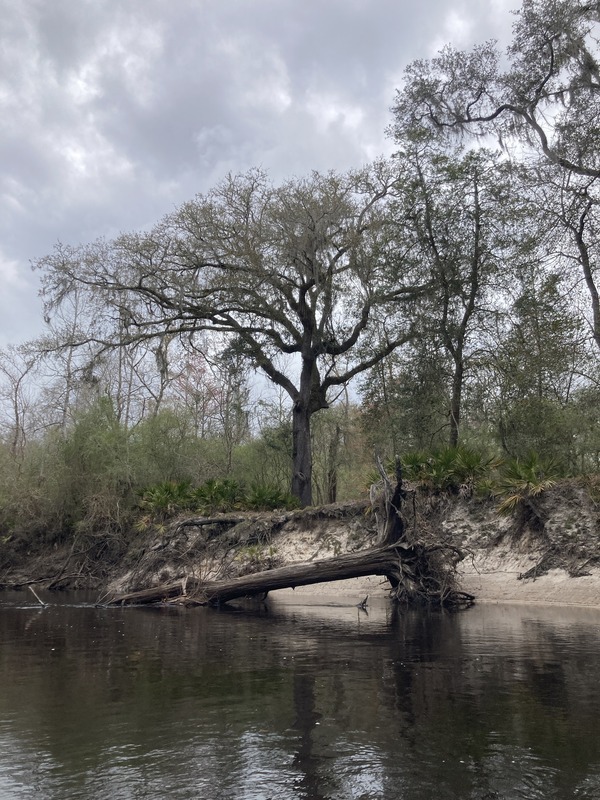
<point x="255" y="347"/>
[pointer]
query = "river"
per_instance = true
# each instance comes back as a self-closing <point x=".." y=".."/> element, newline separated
<point x="297" y="701"/>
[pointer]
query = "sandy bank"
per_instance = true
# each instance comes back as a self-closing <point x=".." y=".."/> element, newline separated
<point x="560" y="541"/>
<point x="492" y="576"/>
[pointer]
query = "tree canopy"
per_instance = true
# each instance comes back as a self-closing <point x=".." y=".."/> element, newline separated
<point x="546" y="96"/>
<point x="460" y="283"/>
<point x="542" y="103"/>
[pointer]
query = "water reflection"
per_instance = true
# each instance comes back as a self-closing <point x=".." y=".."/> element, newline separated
<point x="290" y="701"/>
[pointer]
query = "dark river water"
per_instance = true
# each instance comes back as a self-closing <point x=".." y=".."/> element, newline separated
<point x="494" y="703"/>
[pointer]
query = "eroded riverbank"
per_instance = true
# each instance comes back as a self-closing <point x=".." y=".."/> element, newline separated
<point x="552" y="558"/>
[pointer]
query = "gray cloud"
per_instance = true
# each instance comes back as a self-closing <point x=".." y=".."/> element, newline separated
<point x="113" y="113"/>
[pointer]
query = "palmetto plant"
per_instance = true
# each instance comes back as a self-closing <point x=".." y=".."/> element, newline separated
<point x="267" y="497"/>
<point x="521" y="480"/>
<point x="217" y="495"/>
<point x="448" y="469"/>
<point x="167" y="498"/>
<point x="213" y="496"/>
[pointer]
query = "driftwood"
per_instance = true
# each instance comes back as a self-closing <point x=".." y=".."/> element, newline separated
<point x="198" y="522"/>
<point x="401" y="564"/>
<point x="415" y="572"/>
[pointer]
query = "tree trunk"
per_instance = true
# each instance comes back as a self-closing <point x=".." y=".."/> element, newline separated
<point x="310" y="398"/>
<point x="455" y="402"/>
<point x="588" y="273"/>
<point x="301" y="454"/>
<point x="408" y="569"/>
<point x="377" y="561"/>
<point x="332" y="465"/>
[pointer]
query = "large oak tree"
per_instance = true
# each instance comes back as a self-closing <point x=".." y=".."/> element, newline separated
<point x="296" y="277"/>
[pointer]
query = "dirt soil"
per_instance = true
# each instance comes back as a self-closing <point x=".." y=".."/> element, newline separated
<point x="548" y="555"/>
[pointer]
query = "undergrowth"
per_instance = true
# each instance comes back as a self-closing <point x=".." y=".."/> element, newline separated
<point x="514" y="483"/>
<point x="213" y="496"/>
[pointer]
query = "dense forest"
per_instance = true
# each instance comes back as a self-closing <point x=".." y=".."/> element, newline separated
<point x="259" y="344"/>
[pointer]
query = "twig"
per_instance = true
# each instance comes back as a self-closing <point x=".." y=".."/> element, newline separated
<point x="37" y="597"/>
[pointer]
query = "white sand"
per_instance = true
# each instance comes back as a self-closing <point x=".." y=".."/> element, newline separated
<point x="491" y="576"/>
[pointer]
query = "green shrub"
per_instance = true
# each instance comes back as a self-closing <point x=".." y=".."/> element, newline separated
<point x="167" y="498"/>
<point x="213" y="496"/>
<point x="217" y="495"/>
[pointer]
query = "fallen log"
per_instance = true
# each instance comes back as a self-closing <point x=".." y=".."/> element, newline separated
<point x="198" y="522"/>
<point x="150" y="596"/>
<point x="408" y="569"/>
<point x="412" y="576"/>
<point x="376" y="561"/>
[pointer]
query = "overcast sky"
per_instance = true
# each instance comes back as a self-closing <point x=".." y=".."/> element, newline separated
<point x="113" y="112"/>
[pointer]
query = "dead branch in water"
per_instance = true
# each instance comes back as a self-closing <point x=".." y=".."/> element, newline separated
<point x="37" y="597"/>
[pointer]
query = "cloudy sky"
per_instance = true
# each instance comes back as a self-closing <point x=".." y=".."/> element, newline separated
<point x="113" y="112"/>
